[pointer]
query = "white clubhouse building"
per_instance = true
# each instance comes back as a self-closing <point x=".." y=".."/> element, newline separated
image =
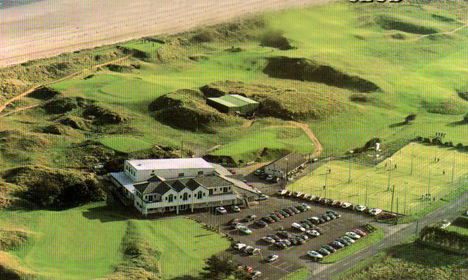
<point x="166" y="185"/>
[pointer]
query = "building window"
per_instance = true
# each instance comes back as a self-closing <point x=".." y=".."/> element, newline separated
<point x="200" y="194"/>
<point x="200" y="172"/>
<point x="171" y="198"/>
<point x="181" y="174"/>
<point x="185" y="196"/>
<point x="211" y="191"/>
<point x="225" y="189"/>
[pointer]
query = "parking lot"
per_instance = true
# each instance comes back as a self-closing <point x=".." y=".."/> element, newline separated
<point x="291" y="258"/>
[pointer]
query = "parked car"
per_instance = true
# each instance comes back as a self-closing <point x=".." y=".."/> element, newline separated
<point x="284" y="234"/>
<point x="347" y="238"/>
<point x="360" y="232"/>
<point x="300" y="208"/>
<point x="343" y="241"/>
<point x="232" y="171"/>
<point x="235" y="208"/>
<point x="307" y="197"/>
<point x="334" y="203"/>
<point x="289" y="193"/>
<point x="317" y="199"/>
<point x="337" y="244"/>
<point x="289" y="211"/>
<point x="314" y="220"/>
<point x="304" y="225"/>
<point x="260" y="223"/>
<point x="269" y="178"/>
<point x="281" y="192"/>
<point x="235" y="225"/>
<point x="255" y="274"/>
<point x="360" y="208"/>
<point x="323" y="251"/>
<point x="299" y="194"/>
<point x="353" y="235"/>
<point x="337" y="203"/>
<point x="300" y="240"/>
<point x="306" y="206"/>
<point x="375" y="211"/>
<point x="313" y="232"/>
<point x="244" y="249"/>
<point x="221" y="210"/>
<point x="244" y="229"/>
<point x="304" y="236"/>
<point x="387" y="215"/>
<point x="322" y="200"/>
<point x="268" y="220"/>
<point x="268" y="240"/>
<point x="275" y="218"/>
<point x="309" y="223"/>
<point x="287" y="241"/>
<point x="334" y="213"/>
<point x="318" y="229"/>
<point x="238" y="246"/>
<point x="315" y="255"/>
<point x="294" y="209"/>
<point x="312" y="198"/>
<point x="233" y="221"/>
<point x="262" y="196"/>
<point x="274" y="237"/>
<point x="284" y="213"/>
<point x="293" y="241"/>
<point x="281" y="245"/>
<point x="346" y="205"/>
<point x="249" y="218"/>
<point x="259" y="172"/>
<point x="329" y="201"/>
<point x="322" y="220"/>
<point x="329" y="248"/>
<point x="252" y="251"/>
<point x="278" y="214"/>
<point x="298" y="227"/>
<point x="326" y="217"/>
<point x="272" y="258"/>
<point x="332" y="216"/>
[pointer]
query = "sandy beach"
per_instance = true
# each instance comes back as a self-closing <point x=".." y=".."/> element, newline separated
<point x="51" y="27"/>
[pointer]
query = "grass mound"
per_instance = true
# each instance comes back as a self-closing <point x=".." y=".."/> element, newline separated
<point x="44" y="93"/>
<point x="75" y="122"/>
<point x="307" y="70"/>
<point x="18" y="146"/>
<point x="58" y="129"/>
<point x="394" y="23"/>
<point x="11" y="269"/>
<point x="12" y="239"/>
<point x="48" y="187"/>
<point x="275" y="39"/>
<point x="60" y="105"/>
<point x="121" y="68"/>
<point x="444" y="107"/>
<point x="399" y="36"/>
<point x="187" y="109"/>
<point x="443" y="18"/>
<point x="101" y="115"/>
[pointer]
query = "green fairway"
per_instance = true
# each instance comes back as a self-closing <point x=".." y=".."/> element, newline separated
<point x="125" y="144"/>
<point x="300" y="274"/>
<point x="373" y="186"/>
<point x="249" y="146"/>
<point x="84" y="243"/>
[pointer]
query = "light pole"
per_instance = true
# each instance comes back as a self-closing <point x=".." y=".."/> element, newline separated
<point x="349" y="173"/>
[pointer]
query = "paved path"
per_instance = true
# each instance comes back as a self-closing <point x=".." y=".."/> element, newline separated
<point x="440" y="33"/>
<point x="394" y="235"/>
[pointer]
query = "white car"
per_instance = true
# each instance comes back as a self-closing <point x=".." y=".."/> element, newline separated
<point x="272" y="258"/>
<point x="353" y="235"/>
<point x="299" y="194"/>
<point x="375" y="211"/>
<point x="244" y="229"/>
<point x="221" y="210"/>
<point x="235" y="208"/>
<point x="269" y="178"/>
<point x="255" y="274"/>
<point x="268" y="240"/>
<point x="313" y="232"/>
<point x="282" y="192"/>
<point x="314" y="255"/>
<point x="360" y="208"/>
<point x="239" y="246"/>
<point x="346" y="205"/>
<point x="298" y="226"/>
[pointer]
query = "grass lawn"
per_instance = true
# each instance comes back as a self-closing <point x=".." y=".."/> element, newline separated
<point x="84" y="242"/>
<point x="362" y="243"/>
<point x="369" y="185"/>
<point x="250" y="146"/>
<point x="300" y="274"/>
<point x="125" y="144"/>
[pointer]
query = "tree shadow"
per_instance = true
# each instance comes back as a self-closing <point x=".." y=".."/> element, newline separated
<point x="398" y="124"/>
<point x="187" y="277"/>
<point x="106" y="214"/>
<point x="459" y="123"/>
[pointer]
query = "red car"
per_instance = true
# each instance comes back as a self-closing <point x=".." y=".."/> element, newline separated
<point x="360" y="232"/>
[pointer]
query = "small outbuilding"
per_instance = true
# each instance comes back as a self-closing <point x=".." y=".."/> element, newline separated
<point x="231" y="103"/>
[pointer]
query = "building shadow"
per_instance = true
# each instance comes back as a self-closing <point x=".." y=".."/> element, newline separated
<point x="107" y="214"/>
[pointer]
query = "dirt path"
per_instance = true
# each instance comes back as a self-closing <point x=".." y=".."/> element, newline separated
<point x="307" y="131"/>
<point x="441" y="33"/>
<point x="11" y="100"/>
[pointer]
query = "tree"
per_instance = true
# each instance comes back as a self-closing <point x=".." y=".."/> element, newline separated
<point x="218" y="268"/>
<point x="410" y="117"/>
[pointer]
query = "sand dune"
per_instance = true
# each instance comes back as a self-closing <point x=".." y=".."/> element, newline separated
<point x="52" y="27"/>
